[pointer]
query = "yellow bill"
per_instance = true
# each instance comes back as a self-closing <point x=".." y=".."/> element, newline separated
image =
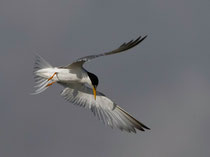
<point x="94" y="92"/>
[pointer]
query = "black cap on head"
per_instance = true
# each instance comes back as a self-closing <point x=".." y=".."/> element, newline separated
<point x="93" y="78"/>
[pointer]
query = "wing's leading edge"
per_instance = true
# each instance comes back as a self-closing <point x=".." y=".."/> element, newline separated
<point x="122" y="48"/>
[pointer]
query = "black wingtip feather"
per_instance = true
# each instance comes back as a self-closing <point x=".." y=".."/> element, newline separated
<point x="143" y="38"/>
<point x="138" y="125"/>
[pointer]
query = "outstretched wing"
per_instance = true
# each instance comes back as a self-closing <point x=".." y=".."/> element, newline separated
<point x="123" y="47"/>
<point x="104" y="108"/>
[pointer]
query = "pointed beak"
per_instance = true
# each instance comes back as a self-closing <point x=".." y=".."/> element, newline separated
<point x="94" y="92"/>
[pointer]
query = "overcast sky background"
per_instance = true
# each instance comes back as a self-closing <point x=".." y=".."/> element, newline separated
<point x="164" y="82"/>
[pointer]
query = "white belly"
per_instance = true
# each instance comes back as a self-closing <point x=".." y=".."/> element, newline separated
<point x="62" y="74"/>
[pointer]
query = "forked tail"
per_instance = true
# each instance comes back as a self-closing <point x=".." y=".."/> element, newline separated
<point x="41" y="83"/>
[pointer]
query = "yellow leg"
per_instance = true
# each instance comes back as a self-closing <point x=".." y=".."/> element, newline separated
<point x="52" y="76"/>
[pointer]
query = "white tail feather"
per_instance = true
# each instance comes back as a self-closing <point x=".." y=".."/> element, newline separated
<point x="41" y="83"/>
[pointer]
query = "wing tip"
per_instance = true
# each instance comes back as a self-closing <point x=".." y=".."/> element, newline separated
<point x="136" y="124"/>
<point x="144" y="37"/>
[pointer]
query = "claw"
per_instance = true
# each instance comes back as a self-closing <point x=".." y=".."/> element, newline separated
<point x="52" y="76"/>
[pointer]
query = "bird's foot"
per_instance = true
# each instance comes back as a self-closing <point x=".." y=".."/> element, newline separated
<point x="52" y="76"/>
<point x="49" y="84"/>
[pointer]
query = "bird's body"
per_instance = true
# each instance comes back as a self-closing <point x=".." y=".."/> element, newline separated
<point x="78" y="83"/>
<point x="64" y="74"/>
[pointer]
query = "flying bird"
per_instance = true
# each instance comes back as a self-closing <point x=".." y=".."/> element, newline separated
<point x="80" y="88"/>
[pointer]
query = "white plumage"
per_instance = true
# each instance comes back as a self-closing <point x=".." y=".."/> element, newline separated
<point x="74" y="78"/>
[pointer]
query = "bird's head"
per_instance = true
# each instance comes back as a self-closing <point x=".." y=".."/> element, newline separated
<point x="94" y="82"/>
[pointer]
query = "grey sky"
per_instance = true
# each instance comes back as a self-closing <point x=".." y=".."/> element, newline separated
<point x="168" y="91"/>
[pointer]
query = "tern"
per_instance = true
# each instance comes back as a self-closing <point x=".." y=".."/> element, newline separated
<point x="80" y="88"/>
